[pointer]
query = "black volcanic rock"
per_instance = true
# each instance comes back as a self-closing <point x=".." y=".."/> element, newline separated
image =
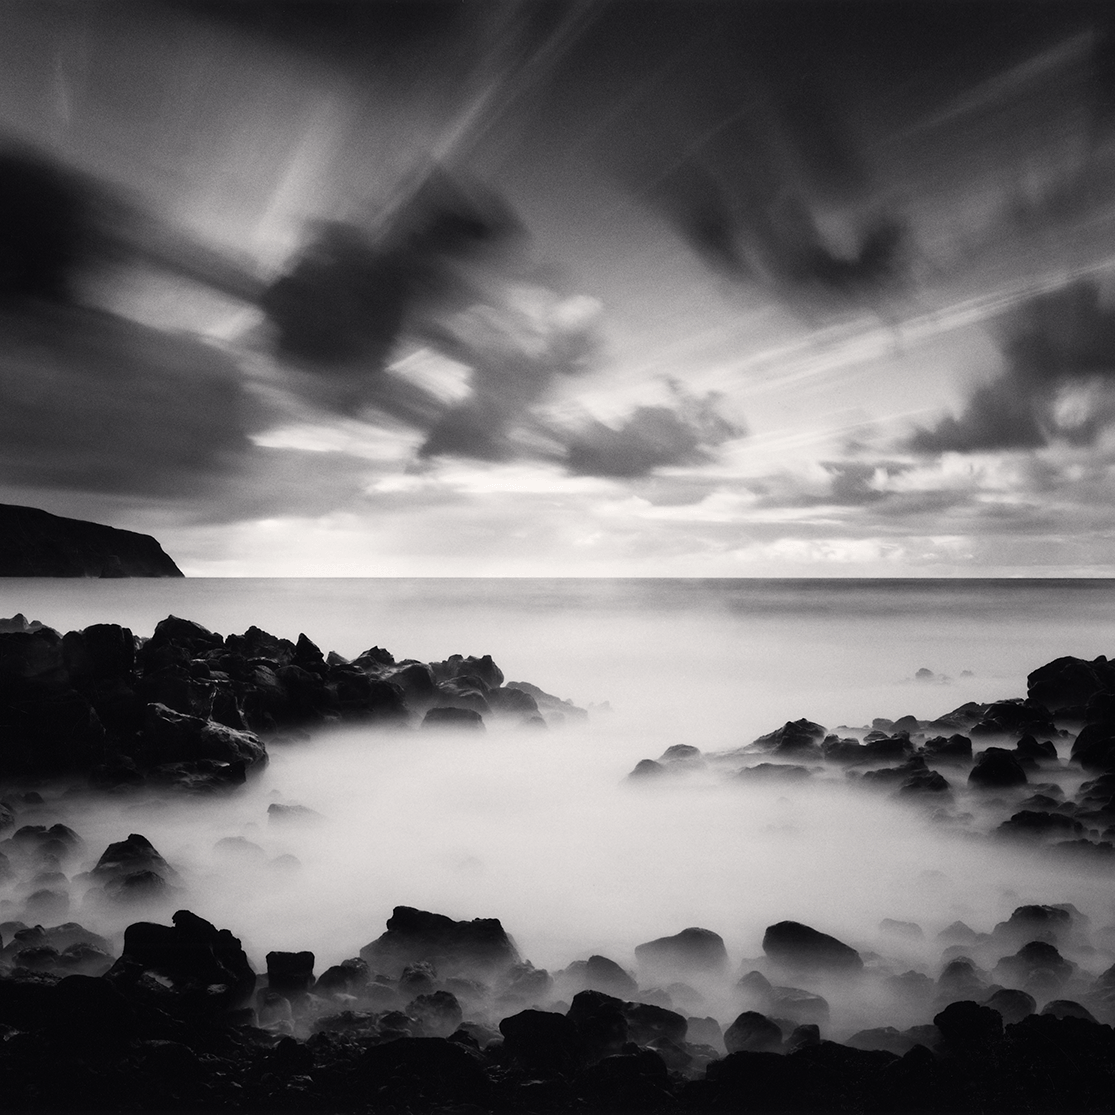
<point x="34" y="543"/>
<point x="997" y="768"/>
<point x="798" y="946"/>
<point x="690" y="951"/>
<point x="413" y="936"/>
<point x="1069" y="682"/>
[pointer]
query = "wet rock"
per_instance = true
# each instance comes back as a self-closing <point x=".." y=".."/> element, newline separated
<point x="882" y="1037"/>
<point x="802" y="948"/>
<point x="753" y="1032"/>
<point x="1015" y="718"/>
<point x="960" y="980"/>
<point x="693" y="951"/>
<point x="647" y="1023"/>
<point x="479" y="947"/>
<point x="173" y="737"/>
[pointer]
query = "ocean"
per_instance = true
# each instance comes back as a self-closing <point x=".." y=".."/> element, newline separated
<point x="543" y="829"/>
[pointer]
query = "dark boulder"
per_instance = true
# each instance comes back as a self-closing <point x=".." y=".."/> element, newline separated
<point x="1067" y="1008"/>
<point x="1035" y="923"/>
<point x="800" y="738"/>
<point x="126" y="857"/>
<point x="774" y="772"/>
<point x="1039" y="825"/>
<point x="436" y="1014"/>
<point x="802" y="948"/>
<point x="459" y="666"/>
<point x="951" y="749"/>
<point x="452" y="717"/>
<point x="1015" y="718"/>
<point x="1034" y="957"/>
<point x="647" y="768"/>
<point x="693" y="951"/>
<point x="1094" y="748"/>
<point x="290" y="973"/>
<point x="422" y="1074"/>
<point x="1067" y="682"/>
<point x="598" y="973"/>
<point x="1013" y="1004"/>
<point x="206" y="966"/>
<point x="1029" y="747"/>
<point x="968" y="1029"/>
<point x="350" y="977"/>
<point x="647" y="1023"/>
<point x="637" y="1082"/>
<point x="753" y="1032"/>
<point x="173" y="737"/>
<point x="600" y="1023"/>
<point x="797" y="1005"/>
<point x="541" y="1042"/>
<point x="995" y="769"/>
<point x="479" y="947"/>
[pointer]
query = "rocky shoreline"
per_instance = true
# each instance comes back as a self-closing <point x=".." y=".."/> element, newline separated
<point x="438" y="1014"/>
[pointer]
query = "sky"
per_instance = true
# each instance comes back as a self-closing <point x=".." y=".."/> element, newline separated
<point x="604" y="288"/>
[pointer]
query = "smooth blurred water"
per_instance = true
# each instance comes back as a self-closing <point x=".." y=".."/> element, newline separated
<point x="541" y="829"/>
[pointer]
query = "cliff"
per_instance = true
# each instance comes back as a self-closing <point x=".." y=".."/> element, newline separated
<point x="34" y="543"/>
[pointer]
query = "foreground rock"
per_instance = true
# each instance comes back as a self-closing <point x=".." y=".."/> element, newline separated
<point x="190" y="708"/>
<point x="34" y="543"/>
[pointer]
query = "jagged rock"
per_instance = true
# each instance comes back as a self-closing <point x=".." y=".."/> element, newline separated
<point x="953" y="749"/>
<point x="1031" y="958"/>
<point x="800" y="947"/>
<point x="795" y="738"/>
<point x="206" y="967"/>
<point x="600" y="1023"/>
<point x="437" y="1014"/>
<point x="967" y="1028"/>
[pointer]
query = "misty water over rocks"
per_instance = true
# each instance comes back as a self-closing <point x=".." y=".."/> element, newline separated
<point x="683" y="802"/>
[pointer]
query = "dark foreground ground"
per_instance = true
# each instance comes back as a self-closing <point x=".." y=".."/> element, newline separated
<point x="443" y="1015"/>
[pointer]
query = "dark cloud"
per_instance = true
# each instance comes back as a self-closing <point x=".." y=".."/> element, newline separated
<point x="94" y="402"/>
<point x="651" y="437"/>
<point x="1058" y="383"/>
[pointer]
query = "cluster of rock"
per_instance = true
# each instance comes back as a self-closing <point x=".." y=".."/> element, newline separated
<point x="437" y="1013"/>
<point x="191" y="708"/>
<point x="1006" y="753"/>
